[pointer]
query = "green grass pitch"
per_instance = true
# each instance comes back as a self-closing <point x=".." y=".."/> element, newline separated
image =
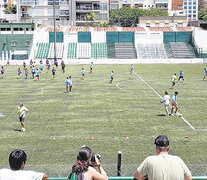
<point x="126" y="119"/>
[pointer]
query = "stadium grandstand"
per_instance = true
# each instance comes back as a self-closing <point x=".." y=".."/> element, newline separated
<point x="140" y="44"/>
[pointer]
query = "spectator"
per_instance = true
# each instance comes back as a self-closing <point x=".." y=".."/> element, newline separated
<point x="84" y="168"/>
<point x="17" y="160"/>
<point x="163" y="166"/>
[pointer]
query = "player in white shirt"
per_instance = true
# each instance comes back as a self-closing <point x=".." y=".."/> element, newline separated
<point x="166" y="101"/>
<point x="17" y="161"/>
<point x="22" y="110"/>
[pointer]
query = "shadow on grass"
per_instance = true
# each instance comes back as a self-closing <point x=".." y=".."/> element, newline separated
<point x="17" y="130"/>
<point x="161" y="114"/>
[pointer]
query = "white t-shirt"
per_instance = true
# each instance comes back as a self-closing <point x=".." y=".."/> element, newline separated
<point x="166" y="99"/>
<point x="8" y="174"/>
<point x="22" y="111"/>
<point x="164" y="167"/>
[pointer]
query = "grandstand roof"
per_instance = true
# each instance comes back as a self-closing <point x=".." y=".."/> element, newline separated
<point x="160" y="29"/>
<point x="133" y="29"/>
<point x="184" y="28"/>
<point x="113" y="29"/>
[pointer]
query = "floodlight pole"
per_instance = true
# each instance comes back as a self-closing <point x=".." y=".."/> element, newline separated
<point x="54" y="30"/>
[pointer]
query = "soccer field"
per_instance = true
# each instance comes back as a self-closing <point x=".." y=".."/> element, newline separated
<point x="123" y="116"/>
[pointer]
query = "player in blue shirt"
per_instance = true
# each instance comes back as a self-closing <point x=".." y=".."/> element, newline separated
<point x="33" y="72"/>
<point x="91" y="67"/>
<point x="67" y="85"/>
<point x="41" y="67"/>
<point x="181" y="76"/>
<point x="37" y="75"/>
<point x="83" y="73"/>
<point x="111" y="77"/>
<point x="205" y="71"/>
<point x="175" y="105"/>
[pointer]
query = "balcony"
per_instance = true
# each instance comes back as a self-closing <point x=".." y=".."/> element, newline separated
<point x="139" y="2"/>
<point x="126" y="1"/>
<point x="161" y="1"/>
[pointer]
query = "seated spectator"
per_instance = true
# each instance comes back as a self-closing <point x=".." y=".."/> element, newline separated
<point x="17" y="160"/>
<point x="84" y="168"/>
<point x="163" y="166"/>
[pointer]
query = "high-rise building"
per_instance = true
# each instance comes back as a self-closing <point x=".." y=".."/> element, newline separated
<point x="82" y="7"/>
<point x="41" y="11"/>
<point x="191" y="9"/>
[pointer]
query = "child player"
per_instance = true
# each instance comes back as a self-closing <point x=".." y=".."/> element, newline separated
<point x="175" y="105"/>
<point x="181" y="76"/>
<point x="53" y="72"/>
<point x="33" y="71"/>
<point x="19" y="73"/>
<point x="2" y="72"/>
<point x="91" y="67"/>
<point x="37" y="75"/>
<point x="22" y="110"/>
<point x="166" y="101"/>
<point x="70" y="83"/>
<point x="67" y="85"/>
<point x="173" y="79"/>
<point x="63" y="66"/>
<point x="205" y="71"/>
<point x="83" y="73"/>
<point x="111" y="77"/>
<point x="132" y="69"/>
<point x="26" y="73"/>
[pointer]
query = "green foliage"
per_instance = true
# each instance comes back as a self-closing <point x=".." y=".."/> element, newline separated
<point x="92" y="18"/>
<point x="128" y="17"/>
<point x="202" y="14"/>
<point x="11" y="10"/>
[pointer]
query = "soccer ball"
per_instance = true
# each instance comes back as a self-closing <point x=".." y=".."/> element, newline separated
<point x="161" y="101"/>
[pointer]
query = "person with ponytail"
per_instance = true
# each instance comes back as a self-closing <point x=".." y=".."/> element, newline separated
<point x="84" y="168"/>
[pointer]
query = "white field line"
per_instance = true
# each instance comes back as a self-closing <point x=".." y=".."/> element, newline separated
<point x="117" y="85"/>
<point x="162" y="98"/>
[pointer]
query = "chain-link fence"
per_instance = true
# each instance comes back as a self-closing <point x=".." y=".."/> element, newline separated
<point x="111" y="169"/>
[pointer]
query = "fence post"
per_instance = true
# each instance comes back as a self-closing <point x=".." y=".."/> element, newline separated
<point x="119" y="164"/>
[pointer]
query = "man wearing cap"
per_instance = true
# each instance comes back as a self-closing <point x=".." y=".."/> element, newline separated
<point x="163" y="166"/>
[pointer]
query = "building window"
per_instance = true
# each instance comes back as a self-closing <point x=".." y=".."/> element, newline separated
<point x="180" y="6"/>
<point x="194" y="3"/>
<point x="194" y="7"/>
<point x="190" y="11"/>
<point x="185" y="3"/>
<point x="190" y="3"/>
<point x="27" y="43"/>
<point x="189" y="15"/>
<point x="147" y="24"/>
<point x="114" y="6"/>
<point x="14" y="43"/>
<point x="185" y="7"/>
<point x="103" y="6"/>
<point x="194" y="12"/>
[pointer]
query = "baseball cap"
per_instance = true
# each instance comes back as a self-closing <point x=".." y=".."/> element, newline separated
<point x="161" y="141"/>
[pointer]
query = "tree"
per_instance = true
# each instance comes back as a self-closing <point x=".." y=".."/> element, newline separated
<point x="202" y="14"/>
<point x="128" y="17"/>
<point x="11" y="10"/>
<point x="91" y="17"/>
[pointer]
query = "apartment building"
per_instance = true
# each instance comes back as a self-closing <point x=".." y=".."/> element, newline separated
<point x="82" y="7"/>
<point x="142" y="4"/>
<point x="41" y="11"/>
